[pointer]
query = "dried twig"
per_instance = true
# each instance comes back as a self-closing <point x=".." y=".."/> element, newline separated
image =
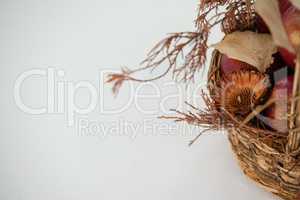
<point x="214" y="118"/>
<point x="184" y="53"/>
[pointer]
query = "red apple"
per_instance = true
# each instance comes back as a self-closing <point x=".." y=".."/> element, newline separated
<point x="229" y="65"/>
<point x="288" y="57"/>
<point x="277" y="113"/>
<point x="284" y="5"/>
<point x="261" y="25"/>
<point x="291" y="22"/>
<point x="277" y="64"/>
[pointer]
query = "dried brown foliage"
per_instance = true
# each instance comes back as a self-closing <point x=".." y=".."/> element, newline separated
<point x="183" y="54"/>
<point x="191" y="48"/>
<point x="215" y="117"/>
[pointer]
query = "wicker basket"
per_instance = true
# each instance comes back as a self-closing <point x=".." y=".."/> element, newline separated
<point x="277" y="172"/>
<point x="276" y="169"/>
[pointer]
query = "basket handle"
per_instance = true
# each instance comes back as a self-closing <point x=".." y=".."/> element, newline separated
<point x="293" y="145"/>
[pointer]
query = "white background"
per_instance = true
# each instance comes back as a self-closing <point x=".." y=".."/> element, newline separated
<point x="44" y="158"/>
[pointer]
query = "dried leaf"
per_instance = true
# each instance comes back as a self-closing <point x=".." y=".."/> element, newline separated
<point x="296" y="3"/>
<point x="253" y="48"/>
<point x="269" y="11"/>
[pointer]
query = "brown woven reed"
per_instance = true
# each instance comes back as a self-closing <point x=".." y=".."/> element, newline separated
<point x="276" y="171"/>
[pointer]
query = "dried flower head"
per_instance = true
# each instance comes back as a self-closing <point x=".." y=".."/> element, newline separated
<point x="241" y="91"/>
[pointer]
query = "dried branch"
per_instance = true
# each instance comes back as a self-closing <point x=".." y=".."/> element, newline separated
<point x="184" y="53"/>
<point x="214" y="118"/>
<point x="168" y="51"/>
